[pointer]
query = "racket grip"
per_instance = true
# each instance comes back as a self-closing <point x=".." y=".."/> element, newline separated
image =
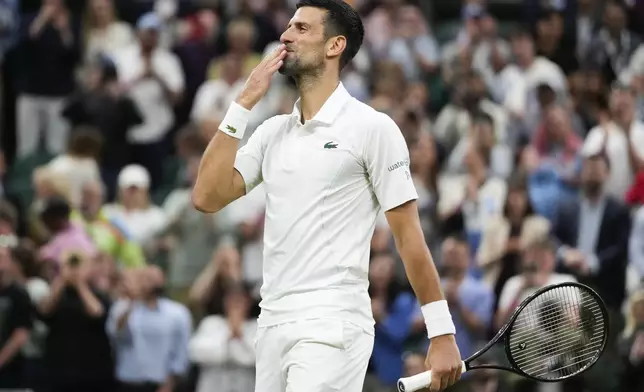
<point x="418" y="381"/>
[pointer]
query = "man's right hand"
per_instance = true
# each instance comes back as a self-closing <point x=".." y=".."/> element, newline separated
<point x="259" y="80"/>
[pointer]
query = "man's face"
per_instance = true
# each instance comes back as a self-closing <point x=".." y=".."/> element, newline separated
<point x="614" y="18"/>
<point x="455" y="255"/>
<point x="305" y="43"/>
<point x="523" y="48"/>
<point x="593" y="175"/>
<point x="149" y="39"/>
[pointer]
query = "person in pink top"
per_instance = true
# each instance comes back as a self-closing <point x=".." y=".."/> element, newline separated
<point x="66" y="236"/>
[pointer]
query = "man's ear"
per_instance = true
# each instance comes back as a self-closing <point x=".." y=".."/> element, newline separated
<point x="335" y="46"/>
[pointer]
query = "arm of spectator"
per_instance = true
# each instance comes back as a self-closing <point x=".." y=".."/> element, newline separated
<point x="39" y="23"/>
<point x="427" y="53"/>
<point x="396" y="326"/>
<point x="204" y="285"/>
<point x="208" y="346"/>
<point x="242" y="351"/>
<point x="92" y="305"/>
<point x="171" y="80"/>
<point x="117" y="320"/>
<point x="20" y="315"/>
<point x="478" y="319"/>
<point x="49" y="304"/>
<point x="636" y="243"/>
<point x="179" y="357"/>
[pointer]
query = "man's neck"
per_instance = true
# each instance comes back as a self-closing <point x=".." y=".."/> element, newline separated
<point x="625" y="122"/>
<point x="526" y="63"/>
<point x="314" y="92"/>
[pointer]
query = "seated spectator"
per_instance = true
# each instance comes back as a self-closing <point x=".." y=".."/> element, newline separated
<point x="80" y="163"/>
<point x="223" y="346"/>
<point x="16" y="314"/>
<point x="505" y="236"/>
<point x="110" y="235"/>
<point x="632" y="344"/>
<point x="471" y="301"/>
<point x="150" y="335"/>
<point x="538" y="270"/>
<point x="66" y="236"/>
<point x="142" y="219"/>
<point x="78" y="355"/>
<point x="394" y="311"/>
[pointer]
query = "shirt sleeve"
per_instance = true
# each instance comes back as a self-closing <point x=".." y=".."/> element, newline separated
<point x="387" y="162"/>
<point x="248" y="161"/>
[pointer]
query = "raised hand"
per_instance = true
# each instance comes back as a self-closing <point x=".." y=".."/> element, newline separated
<point x="260" y="79"/>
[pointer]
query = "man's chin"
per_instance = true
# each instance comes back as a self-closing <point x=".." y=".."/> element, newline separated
<point x="287" y="70"/>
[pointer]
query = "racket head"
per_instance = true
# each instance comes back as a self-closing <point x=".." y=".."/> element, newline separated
<point x="558" y="332"/>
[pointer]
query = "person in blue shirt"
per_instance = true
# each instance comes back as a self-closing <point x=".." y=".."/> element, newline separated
<point x="394" y="310"/>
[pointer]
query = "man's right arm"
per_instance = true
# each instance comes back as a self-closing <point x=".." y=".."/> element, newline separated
<point x="224" y="174"/>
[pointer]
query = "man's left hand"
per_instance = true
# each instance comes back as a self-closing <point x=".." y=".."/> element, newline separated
<point x="444" y="360"/>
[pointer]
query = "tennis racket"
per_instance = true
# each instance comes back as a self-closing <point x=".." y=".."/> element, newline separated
<point x="556" y="333"/>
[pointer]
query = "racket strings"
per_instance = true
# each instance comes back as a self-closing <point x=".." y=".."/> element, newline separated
<point x="558" y="334"/>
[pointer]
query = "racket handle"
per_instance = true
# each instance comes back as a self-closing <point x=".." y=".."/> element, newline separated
<point x="418" y="381"/>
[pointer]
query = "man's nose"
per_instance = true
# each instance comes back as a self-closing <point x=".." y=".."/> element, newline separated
<point x="286" y="37"/>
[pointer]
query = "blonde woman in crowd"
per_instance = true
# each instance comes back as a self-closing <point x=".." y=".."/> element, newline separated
<point x="47" y="183"/>
<point x="632" y="344"/>
<point x="105" y="34"/>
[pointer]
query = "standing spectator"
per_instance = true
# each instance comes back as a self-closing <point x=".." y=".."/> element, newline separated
<point x="622" y="138"/>
<point x="471" y="301"/>
<point x="394" y="311"/>
<point x="155" y="81"/>
<point x="613" y="45"/>
<point x="224" y="347"/>
<point x="593" y="231"/>
<point x="101" y="104"/>
<point x="134" y="207"/>
<point x="66" y="236"/>
<point x="78" y="354"/>
<point x="15" y="323"/>
<point x="105" y="34"/>
<point x="80" y="162"/>
<point x="150" y="335"/>
<point x="50" y="38"/>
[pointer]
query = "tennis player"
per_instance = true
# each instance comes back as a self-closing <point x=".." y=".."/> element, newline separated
<point x="328" y="169"/>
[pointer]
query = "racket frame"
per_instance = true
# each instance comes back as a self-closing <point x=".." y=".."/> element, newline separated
<point x="508" y="325"/>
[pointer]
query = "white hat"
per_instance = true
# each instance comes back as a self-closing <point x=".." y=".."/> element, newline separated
<point x="134" y="175"/>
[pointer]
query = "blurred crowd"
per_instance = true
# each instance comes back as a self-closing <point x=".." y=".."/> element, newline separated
<point x="525" y="125"/>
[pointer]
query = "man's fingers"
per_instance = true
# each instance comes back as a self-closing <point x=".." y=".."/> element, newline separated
<point x="272" y="69"/>
<point x="275" y="54"/>
<point x="437" y="381"/>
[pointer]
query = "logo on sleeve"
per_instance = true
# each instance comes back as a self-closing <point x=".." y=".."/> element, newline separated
<point x="231" y="129"/>
<point x="398" y="165"/>
<point x="330" y="145"/>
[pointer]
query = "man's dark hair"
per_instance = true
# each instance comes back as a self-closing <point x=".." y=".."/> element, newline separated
<point x="341" y="19"/>
<point x="86" y="142"/>
<point x="55" y="213"/>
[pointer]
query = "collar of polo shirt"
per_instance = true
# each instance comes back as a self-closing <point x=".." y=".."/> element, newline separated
<point x="331" y="108"/>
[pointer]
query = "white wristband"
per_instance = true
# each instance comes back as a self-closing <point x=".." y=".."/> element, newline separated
<point x="235" y="121"/>
<point x="438" y="320"/>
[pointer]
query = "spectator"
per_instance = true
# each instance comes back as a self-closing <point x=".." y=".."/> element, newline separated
<point x="632" y="344"/>
<point x="622" y="139"/>
<point x="613" y="44"/>
<point x="150" y="335"/>
<point x="142" y="219"/>
<point x="78" y="354"/>
<point x="187" y="236"/>
<point x="394" y="310"/>
<point x="102" y="104"/>
<point x="223" y="346"/>
<point x="51" y="37"/>
<point x="636" y="244"/>
<point x="80" y="162"/>
<point x="109" y="234"/>
<point x="106" y="35"/>
<point x="240" y="34"/>
<point x="593" y="231"/>
<point x="46" y="184"/>
<point x="553" y="43"/>
<point x="504" y="237"/>
<point x="538" y="270"/>
<point x="16" y="321"/>
<point x="155" y="81"/>
<point x="471" y="301"/>
<point x="66" y="236"/>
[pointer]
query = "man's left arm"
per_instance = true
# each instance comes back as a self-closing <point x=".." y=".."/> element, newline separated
<point x="386" y="159"/>
<point x="21" y="315"/>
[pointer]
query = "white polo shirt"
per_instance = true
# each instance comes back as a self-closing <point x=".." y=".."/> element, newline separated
<point x="326" y="182"/>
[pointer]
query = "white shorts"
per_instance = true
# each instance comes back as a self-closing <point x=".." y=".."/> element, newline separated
<point x="319" y="355"/>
